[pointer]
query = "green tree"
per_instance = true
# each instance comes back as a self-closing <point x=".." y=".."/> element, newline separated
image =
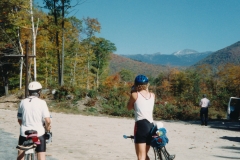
<point x="126" y="75"/>
<point x="92" y="26"/>
<point x="58" y="8"/>
<point x="102" y="49"/>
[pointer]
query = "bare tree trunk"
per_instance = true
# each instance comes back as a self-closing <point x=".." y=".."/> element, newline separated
<point x="74" y="68"/>
<point x="98" y="73"/>
<point x="6" y="83"/>
<point x="35" y="53"/>
<point x="88" y="68"/>
<point x="62" y="71"/>
<point x="83" y="73"/>
<point x="21" y="60"/>
<point x="34" y="40"/>
<point x="59" y="60"/>
<point x="57" y="41"/>
<point x="46" y="79"/>
<point x="21" y="68"/>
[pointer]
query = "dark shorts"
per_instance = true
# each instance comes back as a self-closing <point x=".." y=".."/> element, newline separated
<point x="39" y="148"/>
<point x="142" y="131"/>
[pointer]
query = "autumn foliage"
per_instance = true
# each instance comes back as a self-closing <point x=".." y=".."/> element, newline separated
<point x="178" y="92"/>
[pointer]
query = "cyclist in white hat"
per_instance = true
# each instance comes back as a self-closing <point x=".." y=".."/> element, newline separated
<point x="31" y="113"/>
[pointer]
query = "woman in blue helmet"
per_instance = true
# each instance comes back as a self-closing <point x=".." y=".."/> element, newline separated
<point x="142" y="102"/>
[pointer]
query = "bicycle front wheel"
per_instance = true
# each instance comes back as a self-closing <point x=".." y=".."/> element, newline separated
<point x="152" y="154"/>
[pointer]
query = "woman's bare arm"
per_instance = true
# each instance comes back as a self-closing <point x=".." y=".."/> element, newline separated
<point x="131" y="101"/>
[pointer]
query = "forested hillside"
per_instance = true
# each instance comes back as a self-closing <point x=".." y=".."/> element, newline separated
<point x="230" y="54"/>
<point x="119" y="63"/>
<point x="66" y="48"/>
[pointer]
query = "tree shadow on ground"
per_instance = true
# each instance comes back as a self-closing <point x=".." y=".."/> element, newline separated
<point x="232" y="148"/>
<point x="217" y="124"/>
<point x="225" y="125"/>
<point x="233" y="139"/>
<point x="227" y="157"/>
<point x="8" y="145"/>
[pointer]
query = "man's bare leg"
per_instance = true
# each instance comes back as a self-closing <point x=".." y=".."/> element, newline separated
<point x="20" y="155"/>
<point x="41" y="155"/>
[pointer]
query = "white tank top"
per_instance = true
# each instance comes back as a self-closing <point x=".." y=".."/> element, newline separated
<point x="143" y="107"/>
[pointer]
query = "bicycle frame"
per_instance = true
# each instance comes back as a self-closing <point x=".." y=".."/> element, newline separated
<point x="160" y="153"/>
<point x="29" y="151"/>
<point x="30" y="154"/>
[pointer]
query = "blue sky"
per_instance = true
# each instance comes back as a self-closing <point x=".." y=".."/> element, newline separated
<point x="166" y="26"/>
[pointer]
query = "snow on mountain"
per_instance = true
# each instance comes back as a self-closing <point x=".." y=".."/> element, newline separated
<point x="157" y="53"/>
<point x="185" y="52"/>
<point x="186" y="57"/>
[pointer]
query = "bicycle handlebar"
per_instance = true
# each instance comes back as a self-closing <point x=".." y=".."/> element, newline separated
<point x="131" y="136"/>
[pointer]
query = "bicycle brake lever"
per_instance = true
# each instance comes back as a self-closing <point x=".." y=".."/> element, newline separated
<point x="49" y="135"/>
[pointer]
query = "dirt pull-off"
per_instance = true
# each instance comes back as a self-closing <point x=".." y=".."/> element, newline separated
<point x="78" y="137"/>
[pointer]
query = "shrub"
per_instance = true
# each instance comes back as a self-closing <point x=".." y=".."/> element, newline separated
<point x="92" y="93"/>
<point x="173" y="112"/>
<point x="116" y="103"/>
<point x="80" y="93"/>
<point x="62" y="92"/>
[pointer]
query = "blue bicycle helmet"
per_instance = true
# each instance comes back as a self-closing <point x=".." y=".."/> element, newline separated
<point x="141" y="79"/>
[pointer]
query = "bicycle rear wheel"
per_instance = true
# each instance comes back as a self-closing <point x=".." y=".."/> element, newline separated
<point x="30" y="154"/>
<point x="29" y="157"/>
<point x="162" y="154"/>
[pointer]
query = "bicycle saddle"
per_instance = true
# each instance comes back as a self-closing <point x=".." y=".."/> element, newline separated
<point x="28" y="132"/>
<point x="25" y="148"/>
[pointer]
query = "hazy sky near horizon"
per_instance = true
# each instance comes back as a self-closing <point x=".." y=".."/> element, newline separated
<point x="165" y="26"/>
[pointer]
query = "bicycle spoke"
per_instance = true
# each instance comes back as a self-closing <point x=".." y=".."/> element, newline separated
<point x="162" y="154"/>
<point x="157" y="154"/>
<point x="151" y="154"/>
<point x="26" y="157"/>
<point x="32" y="156"/>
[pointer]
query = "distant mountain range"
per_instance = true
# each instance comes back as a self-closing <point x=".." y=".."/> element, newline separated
<point x="154" y="64"/>
<point x="186" y="57"/>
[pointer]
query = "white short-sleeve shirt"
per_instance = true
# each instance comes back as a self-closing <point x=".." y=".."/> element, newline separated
<point x="204" y="102"/>
<point x="32" y="111"/>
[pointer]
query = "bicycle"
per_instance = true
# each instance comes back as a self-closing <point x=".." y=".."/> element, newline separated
<point x="31" y="143"/>
<point x="160" y="153"/>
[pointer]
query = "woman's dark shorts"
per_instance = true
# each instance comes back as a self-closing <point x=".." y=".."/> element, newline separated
<point x="142" y="131"/>
<point x="39" y="148"/>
